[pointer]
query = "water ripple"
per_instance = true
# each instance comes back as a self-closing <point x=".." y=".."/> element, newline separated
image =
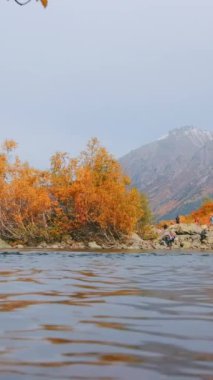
<point x="106" y="316"/>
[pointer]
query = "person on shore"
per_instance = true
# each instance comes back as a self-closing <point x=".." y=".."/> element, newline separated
<point x="177" y="219"/>
<point x="168" y="237"/>
<point x="203" y="235"/>
<point x="211" y="220"/>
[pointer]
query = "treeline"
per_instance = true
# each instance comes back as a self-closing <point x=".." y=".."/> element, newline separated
<point x="201" y="215"/>
<point x="75" y="197"/>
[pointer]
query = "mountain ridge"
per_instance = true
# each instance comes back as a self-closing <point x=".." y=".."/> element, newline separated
<point x="175" y="170"/>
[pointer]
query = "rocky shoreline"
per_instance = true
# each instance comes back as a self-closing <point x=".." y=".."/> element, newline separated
<point x="188" y="237"/>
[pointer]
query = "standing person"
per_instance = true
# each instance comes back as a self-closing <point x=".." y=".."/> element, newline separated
<point x="211" y="220"/>
<point x="203" y="235"/>
<point x="177" y="219"/>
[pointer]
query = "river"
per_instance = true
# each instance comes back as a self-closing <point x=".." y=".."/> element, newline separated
<point x="103" y="316"/>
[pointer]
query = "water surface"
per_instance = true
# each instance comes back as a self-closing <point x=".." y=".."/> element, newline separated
<point x="89" y="316"/>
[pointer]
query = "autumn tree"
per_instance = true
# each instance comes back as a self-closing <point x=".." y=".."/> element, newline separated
<point x="202" y="214"/>
<point x="91" y="194"/>
<point x="24" y="200"/>
<point x="62" y="176"/>
<point x="88" y="195"/>
<point x="101" y="194"/>
<point x="147" y="217"/>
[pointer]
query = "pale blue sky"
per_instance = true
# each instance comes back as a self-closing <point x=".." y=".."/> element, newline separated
<point x="126" y="71"/>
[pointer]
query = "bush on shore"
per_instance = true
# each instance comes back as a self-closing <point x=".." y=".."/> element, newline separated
<point x="202" y="215"/>
<point x="86" y="195"/>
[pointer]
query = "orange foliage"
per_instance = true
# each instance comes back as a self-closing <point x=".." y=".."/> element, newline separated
<point x="92" y="192"/>
<point x="202" y="215"/>
<point x="44" y="3"/>
<point x="24" y="201"/>
<point x="89" y="193"/>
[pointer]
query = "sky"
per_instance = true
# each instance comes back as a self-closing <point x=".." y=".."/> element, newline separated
<point x="125" y="71"/>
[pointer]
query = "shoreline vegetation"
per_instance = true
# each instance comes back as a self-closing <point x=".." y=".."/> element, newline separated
<point x="188" y="237"/>
<point x="85" y="203"/>
<point x="76" y="198"/>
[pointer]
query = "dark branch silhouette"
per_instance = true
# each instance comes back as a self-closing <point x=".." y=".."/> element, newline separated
<point x="22" y="3"/>
<point x="25" y="2"/>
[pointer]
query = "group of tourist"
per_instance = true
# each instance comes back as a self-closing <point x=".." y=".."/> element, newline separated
<point x="169" y="236"/>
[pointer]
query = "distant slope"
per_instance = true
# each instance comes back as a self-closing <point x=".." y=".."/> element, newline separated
<point x="175" y="171"/>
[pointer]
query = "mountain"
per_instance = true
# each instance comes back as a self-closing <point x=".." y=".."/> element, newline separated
<point x="175" y="171"/>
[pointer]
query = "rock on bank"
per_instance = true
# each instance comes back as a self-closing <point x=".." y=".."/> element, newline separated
<point x="188" y="236"/>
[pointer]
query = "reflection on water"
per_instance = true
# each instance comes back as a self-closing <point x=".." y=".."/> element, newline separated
<point x="106" y="316"/>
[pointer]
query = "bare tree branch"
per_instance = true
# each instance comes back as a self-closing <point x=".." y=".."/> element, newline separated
<point x="24" y="3"/>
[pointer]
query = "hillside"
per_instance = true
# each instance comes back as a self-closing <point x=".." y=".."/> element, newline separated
<point x="175" y="171"/>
